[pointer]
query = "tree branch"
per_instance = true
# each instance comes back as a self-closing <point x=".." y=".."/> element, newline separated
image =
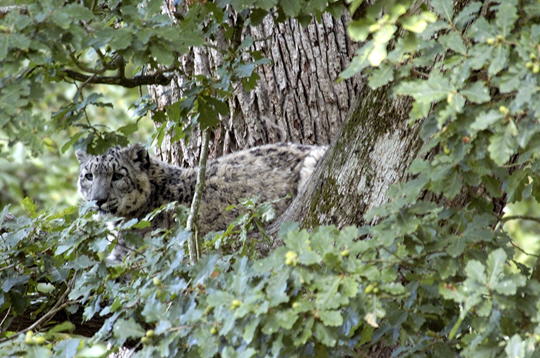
<point x="158" y="78"/>
<point x="58" y="306"/>
<point x="520" y="217"/>
<point x="193" y="244"/>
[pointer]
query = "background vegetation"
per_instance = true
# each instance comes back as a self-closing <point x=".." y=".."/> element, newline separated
<point x="431" y="276"/>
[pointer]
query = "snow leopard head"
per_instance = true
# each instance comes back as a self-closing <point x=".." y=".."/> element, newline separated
<point x="117" y="181"/>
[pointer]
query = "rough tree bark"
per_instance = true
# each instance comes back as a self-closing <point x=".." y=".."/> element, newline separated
<point x="297" y="98"/>
<point x="373" y="150"/>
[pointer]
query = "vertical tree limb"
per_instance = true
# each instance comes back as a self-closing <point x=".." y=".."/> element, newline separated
<point x="191" y="227"/>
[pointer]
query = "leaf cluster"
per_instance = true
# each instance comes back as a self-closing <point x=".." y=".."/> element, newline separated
<point x="471" y="71"/>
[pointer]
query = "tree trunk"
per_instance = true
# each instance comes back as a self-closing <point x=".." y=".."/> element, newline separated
<point x="373" y="151"/>
<point x="297" y="98"/>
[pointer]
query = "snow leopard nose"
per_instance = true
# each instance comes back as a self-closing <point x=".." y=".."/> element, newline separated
<point x="100" y="202"/>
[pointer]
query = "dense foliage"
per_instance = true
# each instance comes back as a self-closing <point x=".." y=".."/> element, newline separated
<point x="435" y="275"/>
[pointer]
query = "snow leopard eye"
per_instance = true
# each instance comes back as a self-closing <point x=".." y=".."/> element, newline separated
<point x="88" y="176"/>
<point x="117" y="176"/>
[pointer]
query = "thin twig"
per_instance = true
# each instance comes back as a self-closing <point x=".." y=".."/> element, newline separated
<point x="522" y="250"/>
<point x="193" y="244"/>
<point x="49" y="315"/>
<point x="84" y="67"/>
<point x="520" y="217"/>
<point x="7" y="267"/>
<point x="5" y="317"/>
<point x="45" y="318"/>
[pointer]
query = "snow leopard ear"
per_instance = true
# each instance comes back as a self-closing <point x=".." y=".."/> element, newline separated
<point x="139" y="155"/>
<point x="82" y="156"/>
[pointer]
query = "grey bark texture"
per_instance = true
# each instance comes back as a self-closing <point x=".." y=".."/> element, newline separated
<point x="373" y="151"/>
<point x="297" y="98"/>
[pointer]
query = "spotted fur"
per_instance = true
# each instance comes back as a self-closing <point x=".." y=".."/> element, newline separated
<point x="128" y="182"/>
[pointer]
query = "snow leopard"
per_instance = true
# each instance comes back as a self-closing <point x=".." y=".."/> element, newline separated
<point x="128" y="182"/>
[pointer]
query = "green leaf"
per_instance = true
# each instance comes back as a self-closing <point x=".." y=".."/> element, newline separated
<point x="377" y="54"/>
<point x="244" y="70"/>
<point x="249" y="330"/>
<point x="349" y="287"/>
<point x="257" y="16"/>
<point x="124" y="329"/>
<point x="467" y="14"/>
<point x="66" y="326"/>
<point x="218" y="298"/>
<point x="61" y="18"/>
<point x="486" y="119"/>
<point x="291" y="8"/>
<point x="306" y="333"/>
<point x="163" y="54"/>
<point x="359" y="30"/>
<point x="13" y="281"/>
<point x="94" y="351"/>
<point x="174" y="111"/>
<point x="476" y="93"/>
<point x="143" y="224"/>
<point x="509" y="285"/>
<point x="286" y="319"/>
<point x="78" y="12"/>
<point x="456" y="102"/>
<point x="445" y="8"/>
<point x="247" y="353"/>
<point x="454" y="42"/>
<point x="384" y="34"/>
<point x="30" y="207"/>
<point x="325" y="335"/>
<point x="502" y="145"/>
<point x="506" y="16"/>
<point x="277" y="289"/>
<point x="516" y="347"/>
<point x="66" y="348"/>
<point x="35" y="351"/>
<point x="499" y="60"/>
<point x="358" y="63"/>
<point x="414" y="24"/>
<point x="308" y="257"/>
<point x="381" y="76"/>
<point x="495" y="266"/>
<point x="476" y="271"/>
<point x="354" y="4"/>
<point x="331" y="318"/>
<point x="481" y="30"/>
<point x="129" y="128"/>
<point x="121" y="39"/>
<point x="435" y="88"/>
<point x="527" y="89"/>
<point x="329" y="297"/>
<point x="71" y="141"/>
<point x="45" y="287"/>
